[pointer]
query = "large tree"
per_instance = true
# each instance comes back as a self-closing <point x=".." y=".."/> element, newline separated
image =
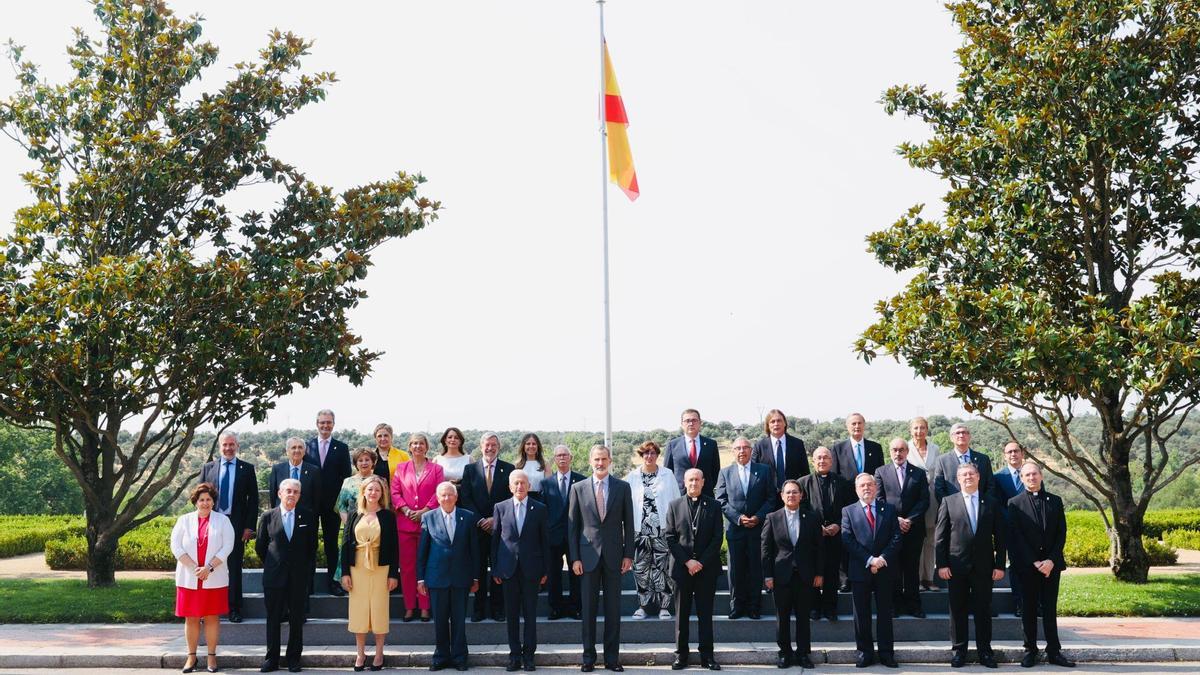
<point x="131" y="297"/>
<point x="1062" y="277"/>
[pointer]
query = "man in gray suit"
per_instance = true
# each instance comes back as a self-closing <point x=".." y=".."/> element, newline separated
<point x="746" y="494"/>
<point x="945" y="471"/>
<point x="600" y="541"/>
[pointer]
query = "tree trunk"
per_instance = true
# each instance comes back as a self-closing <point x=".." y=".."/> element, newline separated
<point x="102" y="552"/>
<point x="1128" y="556"/>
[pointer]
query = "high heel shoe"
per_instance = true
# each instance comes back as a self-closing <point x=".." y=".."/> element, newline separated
<point x="376" y="667"/>
<point x="186" y="667"/>
<point x="425" y="615"/>
<point x="212" y="669"/>
<point x="410" y="616"/>
<point x="359" y="667"/>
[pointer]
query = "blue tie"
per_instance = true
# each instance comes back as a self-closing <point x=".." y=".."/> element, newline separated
<point x="224" y="489"/>
<point x="858" y="453"/>
<point x="295" y="473"/>
<point x="287" y="524"/>
<point x="779" y="477"/>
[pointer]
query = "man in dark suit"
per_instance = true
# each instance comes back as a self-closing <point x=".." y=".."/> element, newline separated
<point x="856" y="454"/>
<point x="447" y="560"/>
<point x="287" y="545"/>
<point x="782" y="452"/>
<point x="969" y="546"/>
<point x="693" y="533"/>
<point x="746" y="495"/>
<point x="600" y="539"/>
<point x="693" y="451"/>
<point x="792" y="558"/>
<point x="871" y="537"/>
<point x="237" y="498"/>
<point x="945" y="470"/>
<point x="333" y="458"/>
<point x="296" y="467"/>
<point x="1008" y="485"/>
<point x="485" y="484"/>
<point x="1039" y="529"/>
<point x="556" y="491"/>
<point x="906" y="489"/>
<point x="827" y="493"/>
<point x="520" y="549"/>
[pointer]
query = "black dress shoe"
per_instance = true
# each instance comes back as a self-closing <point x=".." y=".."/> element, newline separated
<point x="832" y="617"/>
<point x="783" y="662"/>
<point x="337" y="590"/>
<point x="1017" y="612"/>
<point x="616" y="668"/>
<point x="755" y="614"/>
<point x="461" y="667"/>
<point x="737" y="614"/>
<point x="587" y="667"/>
<point x="711" y="664"/>
<point x="512" y="667"/>
<point x="268" y="667"/>
<point x="436" y="666"/>
<point x="919" y="613"/>
<point x="815" y="615"/>
<point x="294" y="669"/>
<point x="844" y="588"/>
<point x="888" y="661"/>
<point x="555" y="615"/>
<point x="863" y="662"/>
<point x="235" y="616"/>
<point x="528" y="667"/>
<point x="1029" y="660"/>
<point x="577" y="615"/>
<point x="679" y="663"/>
<point x="1059" y="660"/>
<point x="805" y="661"/>
<point x="988" y="661"/>
<point x="958" y="660"/>
<point x="477" y="617"/>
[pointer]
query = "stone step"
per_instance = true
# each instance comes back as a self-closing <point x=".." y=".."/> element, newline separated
<point x="324" y="606"/>
<point x="569" y="631"/>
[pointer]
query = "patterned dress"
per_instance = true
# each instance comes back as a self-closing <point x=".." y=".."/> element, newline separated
<point x="347" y="503"/>
<point x="650" y="554"/>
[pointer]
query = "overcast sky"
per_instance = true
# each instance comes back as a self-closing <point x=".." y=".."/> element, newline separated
<point x="740" y="278"/>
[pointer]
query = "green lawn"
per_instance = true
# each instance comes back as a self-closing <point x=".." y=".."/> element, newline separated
<point x="131" y="601"/>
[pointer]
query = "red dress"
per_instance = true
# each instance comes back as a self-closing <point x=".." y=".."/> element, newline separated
<point x="201" y="601"/>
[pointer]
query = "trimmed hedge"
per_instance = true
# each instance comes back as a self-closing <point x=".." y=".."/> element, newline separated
<point x="21" y="535"/>
<point x="1189" y="539"/>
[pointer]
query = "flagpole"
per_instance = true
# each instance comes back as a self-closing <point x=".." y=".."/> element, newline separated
<point x="604" y="196"/>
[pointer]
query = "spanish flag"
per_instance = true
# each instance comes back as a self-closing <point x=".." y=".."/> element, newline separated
<point x="620" y="159"/>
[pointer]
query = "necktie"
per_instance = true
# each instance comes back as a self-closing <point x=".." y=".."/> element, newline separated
<point x="449" y="525"/>
<point x="488" y="478"/>
<point x="295" y="473"/>
<point x="858" y="455"/>
<point x="324" y="452"/>
<point x="692" y="453"/>
<point x="1016" y="481"/>
<point x="974" y="514"/>
<point x="870" y="518"/>
<point x="900" y="476"/>
<point x="520" y="517"/>
<point x="562" y="486"/>
<point x="779" y="468"/>
<point x="962" y="459"/>
<point x="601" y="502"/>
<point x="224" y="489"/>
<point x="793" y="527"/>
<point x="287" y="524"/>
<point x="743" y="474"/>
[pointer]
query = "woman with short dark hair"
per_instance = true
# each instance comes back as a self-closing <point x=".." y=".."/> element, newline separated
<point x="201" y="542"/>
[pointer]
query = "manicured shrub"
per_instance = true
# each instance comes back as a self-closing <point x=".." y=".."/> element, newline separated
<point x="1189" y="539"/>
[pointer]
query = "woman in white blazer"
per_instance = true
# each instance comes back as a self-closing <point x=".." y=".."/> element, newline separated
<point x="653" y="489"/>
<point x="201" y="542"/>
<point x="923" y="452"/>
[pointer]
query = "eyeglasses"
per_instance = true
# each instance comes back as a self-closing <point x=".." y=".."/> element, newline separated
<point x="649" y="452"/>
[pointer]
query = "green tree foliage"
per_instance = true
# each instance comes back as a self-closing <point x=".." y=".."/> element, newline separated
<point x="34" y="480"/>
<point x="130" y="296"/>
<point x="1063" y="275"/>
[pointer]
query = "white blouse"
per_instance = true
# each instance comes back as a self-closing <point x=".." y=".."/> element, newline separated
<point x="452" y="467"/>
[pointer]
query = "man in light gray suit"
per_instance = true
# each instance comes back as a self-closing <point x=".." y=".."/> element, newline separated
<point x="600" y="543"/>
<point x="945" y="470"/>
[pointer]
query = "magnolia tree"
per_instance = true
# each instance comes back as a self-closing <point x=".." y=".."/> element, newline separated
<point x="1062" y="277"/>
<point x="131" y="298"/>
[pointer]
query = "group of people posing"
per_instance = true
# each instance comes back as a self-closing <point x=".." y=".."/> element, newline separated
<point x="441" y="529"/>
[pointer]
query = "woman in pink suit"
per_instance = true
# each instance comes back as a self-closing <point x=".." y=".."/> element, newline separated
<point x="414" y="493"/>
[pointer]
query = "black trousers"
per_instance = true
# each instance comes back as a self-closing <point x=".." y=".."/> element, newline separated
<point x="449" y="609"/>
<point x="520" y="601"/>
<point x="792" y="600"/>
<point x="606" y="579"/>
<point x="880" y="586"/>
<point x="1040" y="589"/>
<point x="331" y="525"/>
<point x="1014" y="584"/>
<point x="489" y="599"/>
<point x="971" y="593"/>
<point x="699" y="590"/>
<point x="907" y="589"/>
<point x="745" y="571"/>
<point x="235" y="573"/>
<point x="291" y="599"/>
<point x="825" y="597"/>
<point x="554" y="582"/>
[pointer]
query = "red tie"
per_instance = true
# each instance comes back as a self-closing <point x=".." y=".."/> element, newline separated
<point x="870" y="519"/>
<point x="692" y="454"/>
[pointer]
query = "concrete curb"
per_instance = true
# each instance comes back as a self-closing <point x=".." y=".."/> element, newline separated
<point x="655" y="656"/>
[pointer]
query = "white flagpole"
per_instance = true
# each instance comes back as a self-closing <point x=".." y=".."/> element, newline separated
<point x="604" y="193"/>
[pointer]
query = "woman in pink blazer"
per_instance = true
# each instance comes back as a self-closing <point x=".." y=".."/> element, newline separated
<point x="414" y="493"/>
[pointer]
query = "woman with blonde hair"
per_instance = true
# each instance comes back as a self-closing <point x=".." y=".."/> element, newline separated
<point x="201" y="542"/>
<point x="387" y="456"/>
<point x="414" y="493"/>
<point x="368" y="563"/>
<point x="923" y="452"/>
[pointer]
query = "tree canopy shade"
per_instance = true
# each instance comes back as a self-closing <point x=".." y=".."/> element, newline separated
<point x="131" y="296"/>
<point x="1063" y="275"/>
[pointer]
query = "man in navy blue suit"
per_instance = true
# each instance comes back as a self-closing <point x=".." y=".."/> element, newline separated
<point x="783" y="453"/>
<point x="1008" y="483"/>
<point x="906" y="488"/>
<point x="693" y="451"/>
<point x="286" y="544"/>
<point x="520" y="549"/>
<point x="871" y="537"/>
<point x="447" y="560"/>
<point x="333" y="458"/>
<point x="237" y="497"/>
<point x="746" y="495"/>
<point x="556" y="491"/>
<point x="856" y="454"/>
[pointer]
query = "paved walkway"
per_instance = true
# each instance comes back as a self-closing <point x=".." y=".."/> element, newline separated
<point x="1160" y="640"/>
